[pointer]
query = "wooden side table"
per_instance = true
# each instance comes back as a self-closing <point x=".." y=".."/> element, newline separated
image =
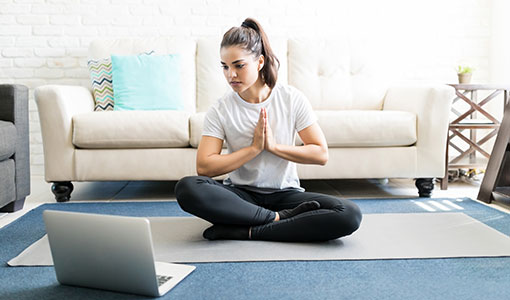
<point x="469" y="121"/>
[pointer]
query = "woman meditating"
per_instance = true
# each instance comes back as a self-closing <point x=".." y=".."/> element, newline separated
<point x="261" y="199"/>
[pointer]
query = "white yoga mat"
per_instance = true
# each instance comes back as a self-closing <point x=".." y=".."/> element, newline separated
<point x="381" y="236"/>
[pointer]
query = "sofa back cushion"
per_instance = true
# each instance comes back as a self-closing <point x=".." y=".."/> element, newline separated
<point x="211" y="84"/>
<point x="186" y="48"/>
<point x="334" y="74"/>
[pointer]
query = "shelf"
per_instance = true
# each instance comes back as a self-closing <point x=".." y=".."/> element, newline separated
<point x="467" y="166"/>
<point x="476" y="121"/>
<point x="474" y="126"/>
<point x="464" y="163"/>
<point x="469" y="121"/>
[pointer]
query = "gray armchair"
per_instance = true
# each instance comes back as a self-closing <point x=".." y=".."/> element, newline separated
<point x="14" y="147"/>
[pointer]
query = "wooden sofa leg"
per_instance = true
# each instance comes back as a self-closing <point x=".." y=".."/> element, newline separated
<point x="62" y="190"/>
<point x="13" y="206"/>
<point x="425" y="186"/>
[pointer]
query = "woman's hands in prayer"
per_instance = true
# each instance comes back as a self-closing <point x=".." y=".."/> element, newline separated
<point x="259" y="135"/>
<point x="263" y="138"/>
<point x="314" y="150"/>
<point x="269" y="141"/>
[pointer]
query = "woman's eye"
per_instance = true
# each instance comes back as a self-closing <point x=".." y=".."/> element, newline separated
<point x="239" y="66"/>
<point x="224" y="67"/>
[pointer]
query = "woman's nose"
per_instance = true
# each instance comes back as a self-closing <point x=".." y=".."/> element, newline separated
<point x="232" y="73"/>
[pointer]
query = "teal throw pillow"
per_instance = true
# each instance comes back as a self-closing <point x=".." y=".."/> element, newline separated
<point x="147" y="82"/>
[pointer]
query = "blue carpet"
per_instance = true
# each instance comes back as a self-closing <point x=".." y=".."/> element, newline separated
<point x="453" y="278"/>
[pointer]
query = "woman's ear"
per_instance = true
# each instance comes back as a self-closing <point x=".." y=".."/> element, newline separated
<point x="261" y="62"/>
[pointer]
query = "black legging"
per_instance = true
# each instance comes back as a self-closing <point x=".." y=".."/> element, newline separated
<point x="222" y="204"/>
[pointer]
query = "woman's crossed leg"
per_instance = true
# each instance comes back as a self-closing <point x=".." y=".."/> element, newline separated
<point x="241" y="214"/>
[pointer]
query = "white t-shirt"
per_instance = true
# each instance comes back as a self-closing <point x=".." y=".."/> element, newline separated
<point x="234" y="120"/>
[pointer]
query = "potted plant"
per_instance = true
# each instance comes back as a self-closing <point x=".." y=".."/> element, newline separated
<point x="464" y="73"/>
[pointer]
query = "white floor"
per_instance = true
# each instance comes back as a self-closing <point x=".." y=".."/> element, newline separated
<point x="163" y="191"/>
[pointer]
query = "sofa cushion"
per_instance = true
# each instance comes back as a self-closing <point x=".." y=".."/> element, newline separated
<point x="8" y="136"/>
<point x="348" y="128"/>
<point x="367" y="128"/>
<point x="335" y="74"/>
<point x="321" y="70"/>
<point x="7" y="182"/>
<point x="131" y="129"/>
<point x="196" y="125"/>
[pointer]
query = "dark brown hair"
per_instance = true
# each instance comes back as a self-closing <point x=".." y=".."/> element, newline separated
<point x="251" y="37"/>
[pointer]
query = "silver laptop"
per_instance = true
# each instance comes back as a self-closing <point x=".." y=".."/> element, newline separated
<point x="108" y="252"/>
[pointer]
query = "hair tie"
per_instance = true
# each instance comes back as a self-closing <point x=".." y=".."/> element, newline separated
<point x="247" y="25"/>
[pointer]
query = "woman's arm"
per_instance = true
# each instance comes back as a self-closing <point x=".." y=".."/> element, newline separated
<point x="314" y="150"/>
<point x="210" y="161"/>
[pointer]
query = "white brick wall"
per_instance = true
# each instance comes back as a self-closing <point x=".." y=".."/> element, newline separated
<point x="46" y="41"/>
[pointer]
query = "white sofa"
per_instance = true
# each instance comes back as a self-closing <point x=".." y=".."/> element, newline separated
<point x="373" y="131"/>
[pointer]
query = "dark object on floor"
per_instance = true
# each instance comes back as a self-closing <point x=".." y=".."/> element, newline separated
<point x="14" y="147"/>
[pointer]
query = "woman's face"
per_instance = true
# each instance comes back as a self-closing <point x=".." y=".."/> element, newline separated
<point x="240" y="67"/>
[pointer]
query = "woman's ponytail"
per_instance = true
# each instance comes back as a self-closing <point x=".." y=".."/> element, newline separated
<point x="252" y="37"/>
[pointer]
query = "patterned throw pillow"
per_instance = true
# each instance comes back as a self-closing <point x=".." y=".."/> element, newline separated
<point x="102" y="85"/>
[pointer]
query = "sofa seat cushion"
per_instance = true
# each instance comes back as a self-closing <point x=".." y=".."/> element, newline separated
<point x="8" y="136"/>
<point x="131" y="129"/>
<point x="196" y="123"/>
<point x="367" y="128"/>
<point x="7" y="182"/>
<point x="348" y="128"/>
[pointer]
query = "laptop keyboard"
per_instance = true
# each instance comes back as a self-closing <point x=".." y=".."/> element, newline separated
<point x="162" y="279"/>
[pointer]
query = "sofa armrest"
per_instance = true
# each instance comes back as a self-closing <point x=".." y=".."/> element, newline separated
<point x="57" y="104"/>
<point x="431" y="104"/>
<point x="14" y="108"/>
